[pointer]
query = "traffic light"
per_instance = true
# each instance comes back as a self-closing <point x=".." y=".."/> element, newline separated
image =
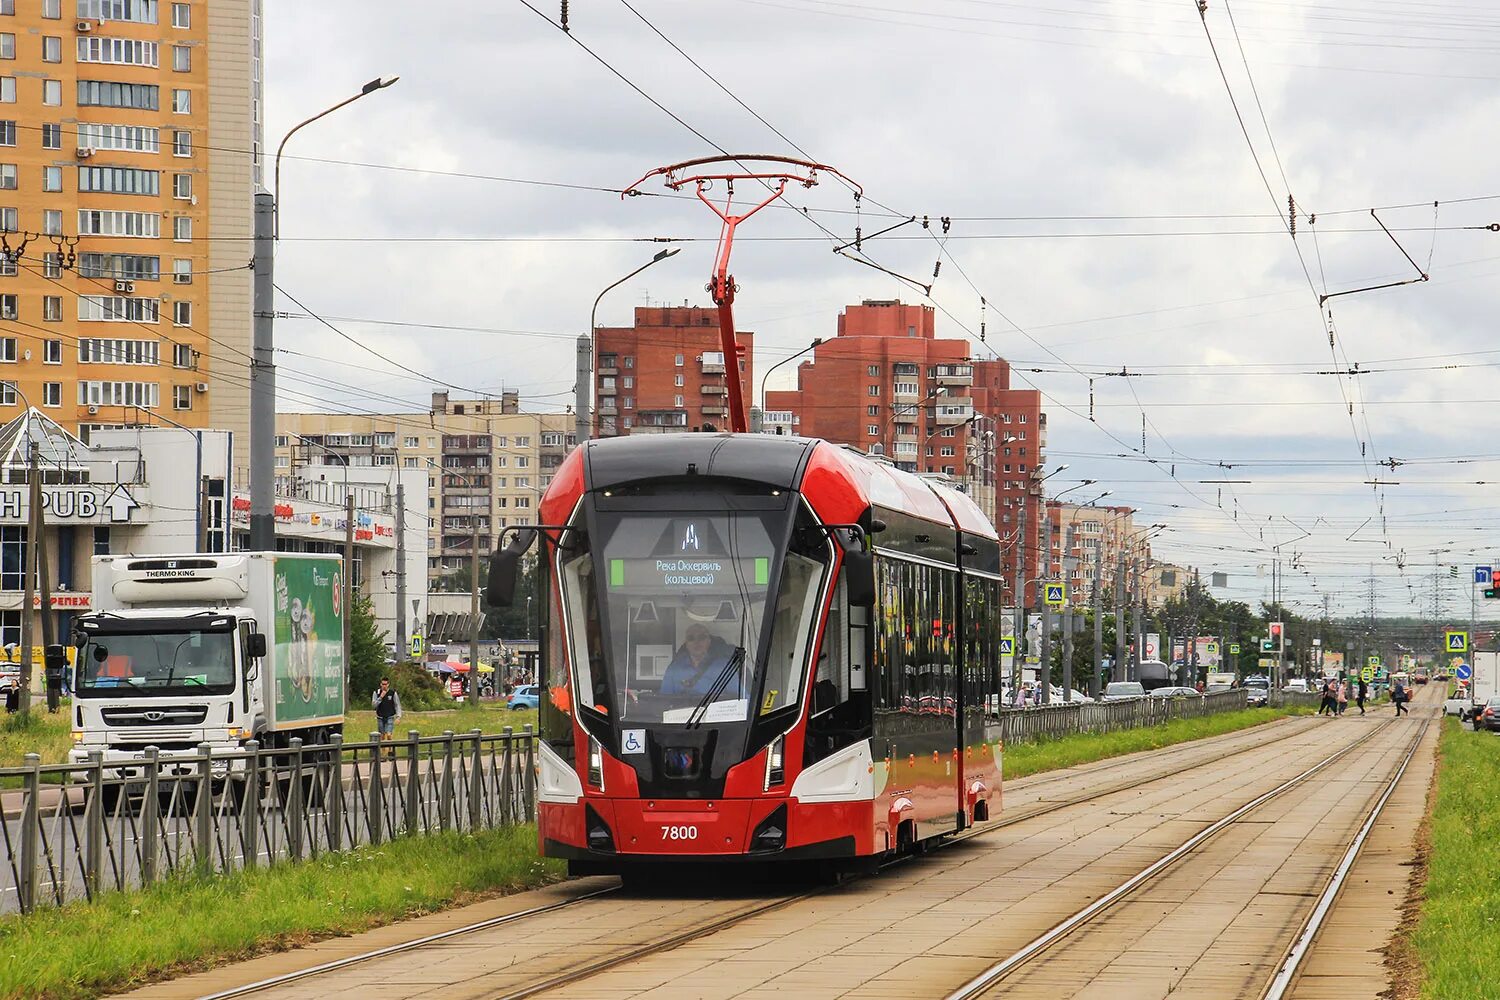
<point x="1267" y="646"/>
<point x="1492" y="592"/>
<point x="1275" y="631"/>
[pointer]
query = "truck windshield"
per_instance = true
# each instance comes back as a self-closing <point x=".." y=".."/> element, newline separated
<point x="151" y="663"/>
<point x="668" y="615"/>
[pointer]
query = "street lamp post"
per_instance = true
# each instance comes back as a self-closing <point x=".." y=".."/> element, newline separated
<point x="263" y="345"/>
<point x="584" y="425"/>
<point x="767" y="376"/>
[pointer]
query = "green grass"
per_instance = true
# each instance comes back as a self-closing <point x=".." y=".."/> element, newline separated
<point x="1457" y="939"/>
<point x="128" y="938"/>
<point x="38" y="731"/>
<point x="1022" y="759"/>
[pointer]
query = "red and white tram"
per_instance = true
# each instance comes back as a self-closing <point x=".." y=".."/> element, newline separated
<point x="758" y="648"/>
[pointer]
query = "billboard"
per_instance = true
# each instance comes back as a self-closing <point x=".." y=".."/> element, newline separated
<point x="307" y="660"/>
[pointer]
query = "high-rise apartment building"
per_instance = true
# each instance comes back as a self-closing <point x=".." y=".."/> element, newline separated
<point x="128" y="138"/>
<point x="887" y="385"/>
<point x="666" y="373"/>
<point x="1089" y="545"/>
<point x="487" y="464"/>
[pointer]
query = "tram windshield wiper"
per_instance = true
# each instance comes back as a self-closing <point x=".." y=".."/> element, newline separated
<point x="717" y="687"/>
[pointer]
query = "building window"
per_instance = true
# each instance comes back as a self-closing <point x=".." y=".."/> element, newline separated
<point x="182" y="102"/>
<point x="106" y="94"/>
<point x="52" y="313"/>
<point x="182" y="314"/>
<point x="52" y="265"/>
<point x="7" y="133"/>
<point x="872" y="390"/>
<point x="9" y="220"/>
<point x="51" y="393"/>
<point x="8" y="310"/>
<point x="7" y="394"/>
<point x="52" y="352"/>
<point x="12" y="561"/>
<point x="142" y="225"/>
<point x="96" y="350"/>
<point x="51" y="49"/>
<point x="119" y="394"/>
<point x="676" y="400"/>
<point x="8" y="178"/>
<point x="7" y="45"/>
<point x="119" y="180"/>
<point x="184" y="356"/>
<point x="52" y="222"/>
<point x="140" y="11"/>
<point x="182" y="229"/>
<point x="628" y="382"/>
<point x="52" y="181"/>
<point x="182" y="397"/>
<point x="116" y="51"/>
<point x="182" y="59"/>
<point x="181" y="18"/>
<point x="182" y="143"/>
<point x="678" y="361"/>
<point x="52" y="136"/>
<point x="630" y="361"/>
<point x="117" y="309"/>
<point x="873" y="430"/>
<point x="182" y="271"/>
<point x="52" y="9"/>
<point x="182" y="187"/>
<point x="677" y="381"/>
<point x="946" y="451"/>
<point x="7" y="90"/>
<point x="126" y="138"/>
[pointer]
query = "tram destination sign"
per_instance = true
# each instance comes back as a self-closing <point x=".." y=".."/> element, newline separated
<point x="690" y="573"/>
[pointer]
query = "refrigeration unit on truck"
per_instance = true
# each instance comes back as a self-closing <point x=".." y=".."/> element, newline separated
<point x="208" y="648"/>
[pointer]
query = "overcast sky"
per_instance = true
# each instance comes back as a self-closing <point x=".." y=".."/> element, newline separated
<point x="1104" y="201"/>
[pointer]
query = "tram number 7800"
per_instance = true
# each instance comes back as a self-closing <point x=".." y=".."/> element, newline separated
<point x="679" y="833"/>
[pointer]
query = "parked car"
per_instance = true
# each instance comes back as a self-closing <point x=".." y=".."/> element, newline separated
<point x="525" y="696"/>
<point x="1296" y="684"/>
<point x="1123" y="691"/>
<point x="1175" y="692"/>
<point x="1488" y="717"/>
<point x="1257" y="690"/>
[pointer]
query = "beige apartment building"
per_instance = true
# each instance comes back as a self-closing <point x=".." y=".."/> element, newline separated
<point x="1083" y="536"/>
<point x="486" y="461"/>
<point x="129" y="141"/>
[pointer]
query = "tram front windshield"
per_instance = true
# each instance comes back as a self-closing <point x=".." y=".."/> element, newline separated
<point x="668" y="616"/>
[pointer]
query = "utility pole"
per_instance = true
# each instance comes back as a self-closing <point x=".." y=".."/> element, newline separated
<point x="1067" y="664"/>
<point x="402" y="649"/>
<point x="1118" y="673"/>
<point x="263" y="382"/>
<point x="474" y="612"/>
<point x="582" y="390"/>
<point x="348" y="594"/>
<point x="28" y="596"/>
<point x="1097" y="596"/>
<point x="1018" y="643"/>
<point x="1044" y="668"/>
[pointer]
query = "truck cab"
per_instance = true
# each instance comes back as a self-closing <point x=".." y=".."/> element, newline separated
<point x="167" y="678"/>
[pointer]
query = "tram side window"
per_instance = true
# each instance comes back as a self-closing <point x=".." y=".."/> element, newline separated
<point x="555" y="718"/>
<point x="891" y="636"/>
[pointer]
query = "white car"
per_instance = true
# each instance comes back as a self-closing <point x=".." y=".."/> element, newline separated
<point x="1123" y="691"/>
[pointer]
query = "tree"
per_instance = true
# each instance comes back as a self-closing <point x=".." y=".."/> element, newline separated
<point x="366" y="648"/>
<point x="503" y="623"/>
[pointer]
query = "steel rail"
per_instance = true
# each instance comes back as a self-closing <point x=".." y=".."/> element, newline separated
<point x="272" y="982"/>
<point x="673" y="941"/>
<point x="982" y="983"/>
<point x="1286" y="974"/>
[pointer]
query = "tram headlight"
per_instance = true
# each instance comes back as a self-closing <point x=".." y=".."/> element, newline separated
<point x="596" y="764"/>
<point x="775" y="765"/>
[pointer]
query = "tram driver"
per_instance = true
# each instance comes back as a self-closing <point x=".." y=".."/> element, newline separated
<point x="698" y="664"/>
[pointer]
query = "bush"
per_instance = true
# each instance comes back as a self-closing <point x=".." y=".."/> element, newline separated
<point x="419" y="690"/>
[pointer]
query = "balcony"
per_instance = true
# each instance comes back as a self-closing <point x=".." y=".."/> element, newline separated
<point x="714" y="409"/>
<point x="466" y="445"/>
<point x="712" y="362"/>
<point x="906" y="391"/>
<point x="905" y="369"/>
<point x="949" y="414"/>
<point x="713" y="390"/>
<point x="607" y="386"/>
<point x="662" y="418"/>
<point x="607" y="405"/>
<point x="953" y="374"/>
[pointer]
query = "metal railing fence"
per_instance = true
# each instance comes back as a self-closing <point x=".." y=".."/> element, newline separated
<point x="74" y="831"/>
<point x="1295" y="699"/>
<point x="1044" y="722"/>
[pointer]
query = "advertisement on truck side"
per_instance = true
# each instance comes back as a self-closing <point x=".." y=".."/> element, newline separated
<point x="309" y="643"/>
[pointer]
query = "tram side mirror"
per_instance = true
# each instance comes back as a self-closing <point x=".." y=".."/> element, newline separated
<point x="256" y="645"/>
<point x="505" y="567"/>
<point x="859" y="578"/>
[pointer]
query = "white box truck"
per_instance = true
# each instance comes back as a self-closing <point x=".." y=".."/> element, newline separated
<point x="208" y="648"/>
<point x="1483" y="684"/>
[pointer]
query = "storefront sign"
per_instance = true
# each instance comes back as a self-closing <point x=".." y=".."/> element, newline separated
<point x="66" y="602"/>
<point x="95" y="503"/>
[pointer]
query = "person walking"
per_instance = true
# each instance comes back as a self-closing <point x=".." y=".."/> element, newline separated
<point x="1360" y="694"/>
<point x="1343" y="697"/>
<point x="387" y="705"/>
<point x="1326" y="705"/>
<point x="1398" y="698"/>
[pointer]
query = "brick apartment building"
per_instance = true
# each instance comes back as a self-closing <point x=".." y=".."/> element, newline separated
<point x="888" y="386"/>
<point x="666" y="373"/>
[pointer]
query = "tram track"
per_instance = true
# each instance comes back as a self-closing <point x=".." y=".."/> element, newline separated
<point x="1213" y="752"/>
<point x="990" y="981"/>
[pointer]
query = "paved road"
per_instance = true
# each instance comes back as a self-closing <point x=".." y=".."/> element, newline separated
<point x="923" y="928"/>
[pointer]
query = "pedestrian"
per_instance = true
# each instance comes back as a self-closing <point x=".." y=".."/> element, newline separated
<point x="1343" y="697"/>
<point x="387" y="705"/>
<point x="1360" y="693"/>
<point x="1327" y="703"/>
<point x="1398" y="698"/>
